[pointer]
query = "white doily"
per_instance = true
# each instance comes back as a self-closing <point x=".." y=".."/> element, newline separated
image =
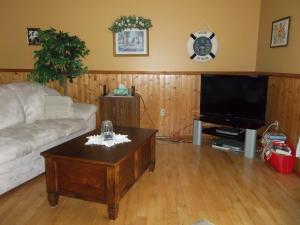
<point x="99" y="140"/>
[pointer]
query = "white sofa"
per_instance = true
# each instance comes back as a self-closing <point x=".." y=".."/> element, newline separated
<point x="30" y="123"/>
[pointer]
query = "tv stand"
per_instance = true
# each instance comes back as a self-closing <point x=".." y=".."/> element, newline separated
<point x="249" y="137"/>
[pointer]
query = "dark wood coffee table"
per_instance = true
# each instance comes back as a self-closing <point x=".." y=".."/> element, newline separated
<point x="97" y="173"/>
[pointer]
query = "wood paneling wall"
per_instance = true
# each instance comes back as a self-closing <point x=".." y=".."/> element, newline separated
<point x="178" y="94"/>
<point x="284" y="105"/>
<point x="10" y="77"/>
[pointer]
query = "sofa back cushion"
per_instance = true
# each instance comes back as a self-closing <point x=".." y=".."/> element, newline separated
<point x="58" y="107"/>
<point x="50" y="91"/>
<point x="31" y="97"/>
<point x="11" y="112"/>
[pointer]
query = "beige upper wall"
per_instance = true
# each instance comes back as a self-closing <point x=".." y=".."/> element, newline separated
<point x="235" y="22"/>
<point x="283" y="59"/>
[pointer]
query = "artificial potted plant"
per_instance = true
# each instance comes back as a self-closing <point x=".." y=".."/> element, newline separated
<point x="60" y="58"/>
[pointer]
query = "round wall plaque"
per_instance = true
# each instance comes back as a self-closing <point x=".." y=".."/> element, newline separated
<point x="202" y="46"/>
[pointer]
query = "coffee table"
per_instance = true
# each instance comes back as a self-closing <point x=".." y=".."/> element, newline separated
<point x="98" y="173"/>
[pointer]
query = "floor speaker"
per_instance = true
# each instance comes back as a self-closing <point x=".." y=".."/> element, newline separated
<point x="197" y="132"/>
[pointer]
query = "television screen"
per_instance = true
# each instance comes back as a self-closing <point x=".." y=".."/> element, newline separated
<point x="234" y="97"/>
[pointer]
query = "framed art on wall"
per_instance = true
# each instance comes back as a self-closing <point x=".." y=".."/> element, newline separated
<point x="32" y="37"/>
<point x="131" y="42"/>
<point x="280" y="32"/>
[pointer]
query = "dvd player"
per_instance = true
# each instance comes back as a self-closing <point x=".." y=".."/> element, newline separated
<point x="228" y="144"/>
<point x="229" y="131"/>
<point x="220" y="147"/>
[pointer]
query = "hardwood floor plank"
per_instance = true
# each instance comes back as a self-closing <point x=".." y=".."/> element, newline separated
<point x="189" y="183"/>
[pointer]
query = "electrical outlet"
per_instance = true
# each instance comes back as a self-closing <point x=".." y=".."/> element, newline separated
<point x="162" y="112"/>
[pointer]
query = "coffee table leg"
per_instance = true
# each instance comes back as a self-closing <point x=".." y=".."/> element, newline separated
<point x="152" y="167"/>
<point x="53" y="199"/>
<point x="152" y="149"/>
<point x="113" y="210"/>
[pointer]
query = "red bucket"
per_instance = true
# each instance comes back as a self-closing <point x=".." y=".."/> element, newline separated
<point x="282" y="163"/>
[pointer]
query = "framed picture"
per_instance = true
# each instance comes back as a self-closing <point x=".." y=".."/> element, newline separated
<point x="131" y="42"/>
<point x="280" y="32"/>
<point x="32" y="36"/>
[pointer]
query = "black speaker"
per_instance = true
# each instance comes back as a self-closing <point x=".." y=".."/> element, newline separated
<point x="104" y="90"/>
<point x="132" y="90"/>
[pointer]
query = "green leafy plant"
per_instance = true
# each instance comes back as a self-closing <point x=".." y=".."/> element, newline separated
<point x="129" y="22"/>
<point x="60" y="58"/>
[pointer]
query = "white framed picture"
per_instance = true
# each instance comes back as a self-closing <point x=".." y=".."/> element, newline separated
<point x="280" y="32"/>
<point x="131" y="42"/>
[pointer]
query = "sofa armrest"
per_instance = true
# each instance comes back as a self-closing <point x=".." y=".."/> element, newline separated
<point x="83" y="111"/>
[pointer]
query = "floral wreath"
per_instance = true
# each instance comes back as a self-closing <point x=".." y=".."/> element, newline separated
<point x="129" y="22"/>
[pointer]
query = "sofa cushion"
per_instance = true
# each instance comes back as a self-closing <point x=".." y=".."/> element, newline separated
<point x="31" y="97"/>
<point x="83" y="111"/>
<point x="11" y="112"/>
<point x="12" y="149"/>
<point x="57" y="107"/>
<point x="22" y="139"/>
<point x="51" y="91"/>
<point x="63" y="127"/>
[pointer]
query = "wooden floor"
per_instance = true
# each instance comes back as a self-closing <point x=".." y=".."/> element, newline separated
<point x="189" y="183"/>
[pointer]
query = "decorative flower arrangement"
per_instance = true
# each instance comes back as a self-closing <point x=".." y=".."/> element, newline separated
<point x="129" y="22"/>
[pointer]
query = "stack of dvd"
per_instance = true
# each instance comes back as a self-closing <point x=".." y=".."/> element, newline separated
<point x="278" y="143"/>
<point x="275" y="136"/>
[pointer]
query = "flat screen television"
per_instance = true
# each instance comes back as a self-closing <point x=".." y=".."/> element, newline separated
<point x="235" y="100"/>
